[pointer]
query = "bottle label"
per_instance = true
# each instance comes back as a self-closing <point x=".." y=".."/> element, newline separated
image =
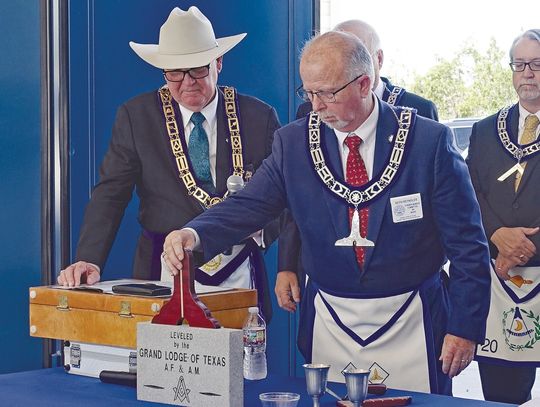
<point x="254" y="337"/>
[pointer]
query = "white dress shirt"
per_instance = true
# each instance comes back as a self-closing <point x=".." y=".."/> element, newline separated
<point x="241" y="277"/>
<point x="209" y="125"/>
<point x="379" y="90"/>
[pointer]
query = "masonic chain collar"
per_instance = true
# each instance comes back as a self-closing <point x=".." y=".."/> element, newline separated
<point x="392" y="97"/>
<point x="518" y="152"/>
<point x="357" y="196"/>
<point x="184" y="171"/>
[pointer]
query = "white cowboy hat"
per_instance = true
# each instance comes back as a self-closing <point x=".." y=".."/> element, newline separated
<point x="186" y="40"/>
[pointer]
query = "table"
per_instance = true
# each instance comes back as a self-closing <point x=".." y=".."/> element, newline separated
<point x="54" y="387"/>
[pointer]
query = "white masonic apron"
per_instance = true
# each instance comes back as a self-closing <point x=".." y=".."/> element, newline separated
<point x="513" y="324"/>
<point x="239" y="276"/>
<point x="386" y="335"/>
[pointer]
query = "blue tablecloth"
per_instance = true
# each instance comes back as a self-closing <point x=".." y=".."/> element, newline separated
<point x="54" y="387"/>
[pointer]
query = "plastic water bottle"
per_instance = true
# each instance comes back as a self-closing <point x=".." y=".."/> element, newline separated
<point x="254" y="346"/>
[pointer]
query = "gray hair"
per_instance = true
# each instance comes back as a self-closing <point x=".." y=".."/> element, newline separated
<point x="355" y="57"/>
<point x="365" y="32"/>
<point x="533" y="34"/>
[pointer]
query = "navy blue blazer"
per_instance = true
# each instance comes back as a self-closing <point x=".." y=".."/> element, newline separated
<point x="289" y="239"/>
<point x="405" y="254"/>
<point x="424" y="107"/>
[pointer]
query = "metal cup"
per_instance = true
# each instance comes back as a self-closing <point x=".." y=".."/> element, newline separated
<point x="356" y="381"/>
<point x="316" y="377"/>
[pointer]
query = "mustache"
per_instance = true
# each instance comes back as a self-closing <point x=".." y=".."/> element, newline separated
<point x="529" y="83"/>
<point x="324" y="116"/>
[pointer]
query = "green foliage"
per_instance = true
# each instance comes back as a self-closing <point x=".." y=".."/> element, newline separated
<point x="471" y="84"/>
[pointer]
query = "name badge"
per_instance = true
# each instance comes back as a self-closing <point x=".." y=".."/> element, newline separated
<point x="406" y="207"/>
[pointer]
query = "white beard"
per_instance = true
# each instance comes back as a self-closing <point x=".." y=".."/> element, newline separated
<point x="340" y="124"/>
<point x="529" y="93"/>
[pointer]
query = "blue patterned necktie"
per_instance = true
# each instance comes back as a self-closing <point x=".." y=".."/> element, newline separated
<point x="199" y="153"/>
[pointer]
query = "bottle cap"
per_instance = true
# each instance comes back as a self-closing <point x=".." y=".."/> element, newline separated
<point x="253" y="310"/>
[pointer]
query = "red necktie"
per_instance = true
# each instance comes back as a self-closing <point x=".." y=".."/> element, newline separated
<point x="356" y="175"/>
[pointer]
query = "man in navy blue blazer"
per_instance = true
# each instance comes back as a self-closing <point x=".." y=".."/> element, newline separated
<point x="382" y="87"/>
<point x="374" y="298"/>
<point x="289" y="238"/>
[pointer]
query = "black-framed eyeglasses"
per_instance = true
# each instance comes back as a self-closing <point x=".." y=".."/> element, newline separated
<point x="519" y="66"/>
<point x="323" y="95"/>
<point x="177" y="75"/>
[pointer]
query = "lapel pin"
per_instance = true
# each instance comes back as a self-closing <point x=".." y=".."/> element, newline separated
<point x="390" y="138"/>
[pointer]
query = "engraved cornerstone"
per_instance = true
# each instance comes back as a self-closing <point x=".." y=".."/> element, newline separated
<point x="185" y="366"/>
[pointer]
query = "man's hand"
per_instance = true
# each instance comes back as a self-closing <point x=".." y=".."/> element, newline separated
<point x="287" y="290"/>
<point x="456" y="354"/>
<point x="77" y="273"/>
<point x="503" y="265"/>
<point x="514" y="243"/>
<point x="173" y="248"/>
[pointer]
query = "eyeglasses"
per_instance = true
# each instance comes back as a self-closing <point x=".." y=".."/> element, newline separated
<point x="177" y="75"/>
<point x="520" y="66"/>
<point x="324" y="95"/>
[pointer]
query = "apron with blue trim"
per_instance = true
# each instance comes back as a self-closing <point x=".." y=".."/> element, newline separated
<point x="513" y="324"/>
<point x="242" y="267"/>
<point x="391" y="336"/>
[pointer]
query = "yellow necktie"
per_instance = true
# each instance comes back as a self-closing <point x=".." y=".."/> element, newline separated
<point x="528" y="136"/>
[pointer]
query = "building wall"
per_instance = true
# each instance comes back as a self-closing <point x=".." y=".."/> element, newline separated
<point x="20" y="183"/>
<point x="103" y="73"/>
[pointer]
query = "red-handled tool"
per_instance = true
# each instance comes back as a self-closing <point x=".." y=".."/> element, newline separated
<point x="184" y="305"/>
<point x="381" y="402"/>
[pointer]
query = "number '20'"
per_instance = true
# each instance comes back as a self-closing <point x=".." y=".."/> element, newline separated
<point x="490" y="345"/>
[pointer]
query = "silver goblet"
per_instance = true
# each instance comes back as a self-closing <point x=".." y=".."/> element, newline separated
<point x="356" y="381"/>
<point x="316" y="377"/>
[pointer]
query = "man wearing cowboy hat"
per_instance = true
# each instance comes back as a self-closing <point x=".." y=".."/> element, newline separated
<point x="178" y="146"/>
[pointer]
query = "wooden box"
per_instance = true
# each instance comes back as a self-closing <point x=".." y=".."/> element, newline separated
<point x="108" y="319"/>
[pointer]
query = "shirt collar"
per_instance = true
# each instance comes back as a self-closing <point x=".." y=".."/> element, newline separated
<point x="366" y="131"/>
<point x="523" y="113"/>
<point x="379" y="90"/>
<point x="209" y="112"/>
